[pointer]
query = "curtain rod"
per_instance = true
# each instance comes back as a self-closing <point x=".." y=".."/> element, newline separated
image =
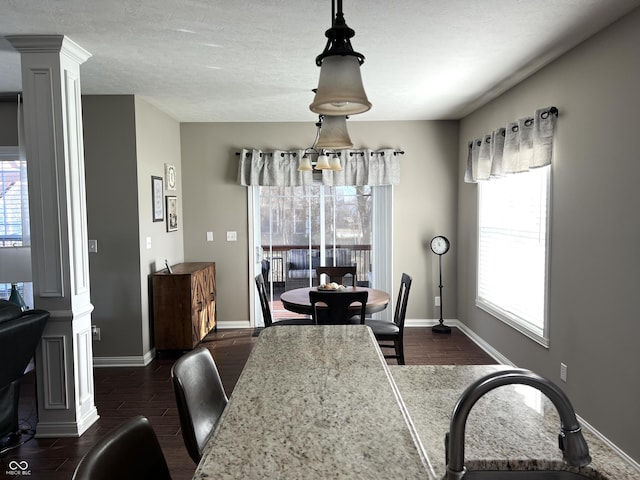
<point x="356" y="152"/>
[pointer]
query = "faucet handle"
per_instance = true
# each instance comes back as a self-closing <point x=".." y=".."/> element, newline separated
<point x="446" y="448"/>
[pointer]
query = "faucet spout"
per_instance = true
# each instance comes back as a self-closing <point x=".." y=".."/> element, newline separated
<point x="571" y="441"/>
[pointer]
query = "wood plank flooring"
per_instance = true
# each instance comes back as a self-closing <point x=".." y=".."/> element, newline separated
<point x="121" y="393"/>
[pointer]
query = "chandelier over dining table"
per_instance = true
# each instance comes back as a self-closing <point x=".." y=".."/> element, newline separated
<point x="340" y="93"/>
<point x="340" y="90"/>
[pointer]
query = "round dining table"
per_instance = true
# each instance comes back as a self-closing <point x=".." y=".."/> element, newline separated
<point x="297" y="300"/>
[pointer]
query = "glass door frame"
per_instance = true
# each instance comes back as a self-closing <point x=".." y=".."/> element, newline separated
<point x="381" y="254"/>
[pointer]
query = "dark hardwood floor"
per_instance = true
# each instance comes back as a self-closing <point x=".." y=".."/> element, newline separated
<point x="121" y="393"/>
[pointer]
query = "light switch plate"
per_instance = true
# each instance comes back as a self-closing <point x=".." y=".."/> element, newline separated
<point x="93" y="246"/>
<point x="209" y="236"/>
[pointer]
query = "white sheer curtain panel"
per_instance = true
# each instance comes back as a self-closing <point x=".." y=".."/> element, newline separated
<point x="277" y="168"/>
<point x="280" y="168"/>
<point x="365" y="167"/>
<point x="519" y="147"/>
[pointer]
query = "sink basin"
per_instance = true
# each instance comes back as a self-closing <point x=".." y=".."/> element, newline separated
<point x="523" y="474"/>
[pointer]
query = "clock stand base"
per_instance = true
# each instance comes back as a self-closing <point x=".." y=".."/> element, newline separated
<point x="441" y="328"/>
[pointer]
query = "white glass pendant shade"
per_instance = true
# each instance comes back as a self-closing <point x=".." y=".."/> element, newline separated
<point x="334" y="133"/>
<point x="340" y="90"/>
<point x="305" y="164"/>
<point x="334" y="163"/>
<point x="323" y="162"/>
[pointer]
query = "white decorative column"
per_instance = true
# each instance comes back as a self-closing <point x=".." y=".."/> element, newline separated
<point x="59" y="244"/>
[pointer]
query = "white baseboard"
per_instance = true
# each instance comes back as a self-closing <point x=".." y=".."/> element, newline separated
<point x="234" y="324"/>
<point x="128" y="361"/>
<point x="425" y="322"/>
<point x="492" y="352"/>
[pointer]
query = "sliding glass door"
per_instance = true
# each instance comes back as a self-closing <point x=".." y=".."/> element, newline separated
<point x="296" y="229"/>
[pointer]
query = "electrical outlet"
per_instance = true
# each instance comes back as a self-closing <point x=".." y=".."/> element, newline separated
<point x="563" y="372"/>
<point x="437" y="301"/>
<point x="232" y="236"/>
<point x="95" y="333"/>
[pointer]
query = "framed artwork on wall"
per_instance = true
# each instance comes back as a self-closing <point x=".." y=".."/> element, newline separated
<point x="172" y="213"/>
<point x="156" y="199"/>
<point x="169" y="177"/>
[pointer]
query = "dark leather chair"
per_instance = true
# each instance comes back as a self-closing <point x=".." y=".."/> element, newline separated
<point x="265" y="267"/>
<point x="131" y="452"/>
<point x="200" y="397"/>
<point x="338" y="306"/>
<point x="266" y="309"/>
<point x="386" y="331"/>
<point x="338" y="274"/>
<point x="20" y="333"/>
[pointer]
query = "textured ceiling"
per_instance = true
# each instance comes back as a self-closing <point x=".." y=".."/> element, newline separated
<point x="253" y="60"/>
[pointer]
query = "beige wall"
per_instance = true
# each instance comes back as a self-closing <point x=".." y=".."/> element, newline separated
<point x="595" y="232"/>
<point x="126" y="142"/>
<point x="158" y="142"/>
<point x="112" y="220"/>
<point x="424" y="202"/>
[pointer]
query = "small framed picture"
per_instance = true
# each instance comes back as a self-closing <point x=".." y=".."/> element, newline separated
<point x="169" y="177"/>
<point x="156" y="199"/>
<point x="172" y="213"/>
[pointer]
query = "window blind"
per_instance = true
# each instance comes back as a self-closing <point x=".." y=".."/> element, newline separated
<point x="512" y="249"/>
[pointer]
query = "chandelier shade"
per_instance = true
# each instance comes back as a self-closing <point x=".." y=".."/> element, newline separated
<point x="340" y="90"/>
<point x="323" y="162"/>
<point x="334" y="133"/>
<point x="334" y="163"/>
<point x="305" y="164"/>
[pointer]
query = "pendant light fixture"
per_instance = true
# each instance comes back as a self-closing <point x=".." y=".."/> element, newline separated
<point x="333" y="133"/>
<point x="323" y="162"/>
<point x="305" y="164"/>
<point x="340" y="91"/>
<point x="335" y="136"/>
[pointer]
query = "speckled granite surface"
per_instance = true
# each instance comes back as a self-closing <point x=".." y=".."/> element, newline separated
<point x="512" y="427"/>
<point x="313" y="403"/>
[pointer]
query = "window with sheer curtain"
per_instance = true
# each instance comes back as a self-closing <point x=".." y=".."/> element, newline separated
<point x="303" y="219"/>
<point x="512" y="166"/>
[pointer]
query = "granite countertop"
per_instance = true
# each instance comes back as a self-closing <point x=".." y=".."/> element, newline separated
<point x="314" y="403"/>
<point x="513" y="427"/>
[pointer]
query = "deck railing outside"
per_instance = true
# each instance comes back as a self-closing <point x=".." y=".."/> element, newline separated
<point x="279" y="257"/>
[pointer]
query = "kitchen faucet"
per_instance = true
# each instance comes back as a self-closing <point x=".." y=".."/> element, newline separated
<point x="571" y="441"/>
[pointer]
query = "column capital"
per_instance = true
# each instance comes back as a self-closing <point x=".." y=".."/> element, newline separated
<point x="49" y="44"/>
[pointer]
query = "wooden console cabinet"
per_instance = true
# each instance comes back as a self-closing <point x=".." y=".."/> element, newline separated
<point x="184" y="305"/>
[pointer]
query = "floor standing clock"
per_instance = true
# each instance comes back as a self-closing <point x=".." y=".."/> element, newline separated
<point x="440" y="245"/>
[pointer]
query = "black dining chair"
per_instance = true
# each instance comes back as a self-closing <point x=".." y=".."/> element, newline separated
<point x="338" y="274"/>
<point x="200" y="397"/>
<point x="387" y="331"/>
<point x="337" y="306"/>
<point x="266" y="308"/>
<point x="131" y="452"/>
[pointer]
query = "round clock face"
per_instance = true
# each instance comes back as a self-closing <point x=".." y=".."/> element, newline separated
<point x="439" y="245"/>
